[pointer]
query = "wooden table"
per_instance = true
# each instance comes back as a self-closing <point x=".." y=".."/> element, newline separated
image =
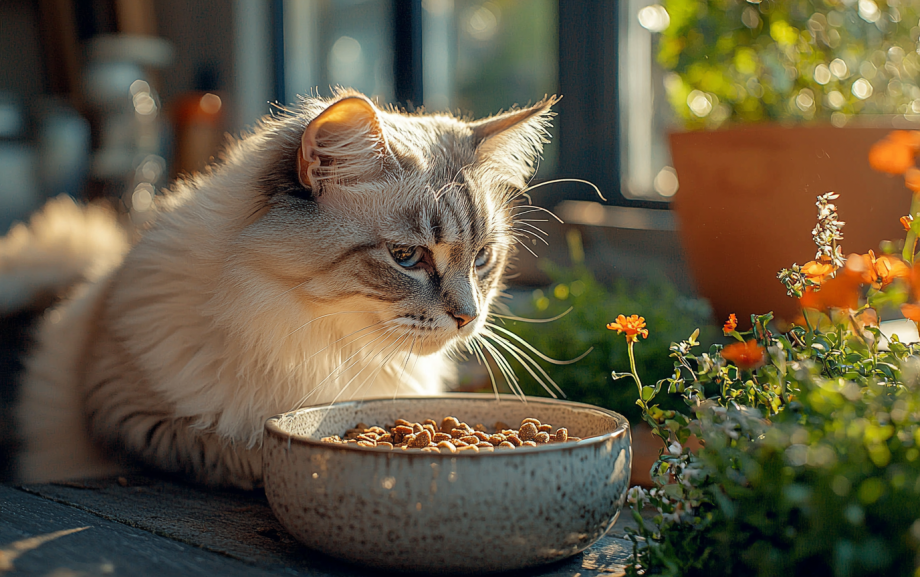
<point x="142" y="525"/>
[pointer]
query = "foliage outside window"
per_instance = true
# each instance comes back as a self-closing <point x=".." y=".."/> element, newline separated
<point x="790" y="60"/>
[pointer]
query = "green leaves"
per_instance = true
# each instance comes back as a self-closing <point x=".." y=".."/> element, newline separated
<point x="741" y="61"/>
<point x="816" y="451"/>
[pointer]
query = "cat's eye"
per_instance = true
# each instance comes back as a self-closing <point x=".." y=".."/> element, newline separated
<point x="406" y="256"/>
<point x="483" y="257"/>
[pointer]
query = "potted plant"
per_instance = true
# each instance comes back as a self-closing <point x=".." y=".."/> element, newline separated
<point x="810" y="456"/>
<point x="799" y="91"/>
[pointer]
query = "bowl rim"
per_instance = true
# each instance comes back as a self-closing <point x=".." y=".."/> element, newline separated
<point x="623" y="427"/>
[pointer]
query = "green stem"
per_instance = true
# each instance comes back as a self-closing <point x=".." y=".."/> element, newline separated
<point x="910" y="242"/>
<point x="635" y="374"/>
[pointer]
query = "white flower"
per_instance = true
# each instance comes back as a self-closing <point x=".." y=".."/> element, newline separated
<point x="675" y="449"/>
<point x="636" y="496"/>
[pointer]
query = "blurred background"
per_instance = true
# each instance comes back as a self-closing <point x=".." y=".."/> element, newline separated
<point x="114" y="98"/>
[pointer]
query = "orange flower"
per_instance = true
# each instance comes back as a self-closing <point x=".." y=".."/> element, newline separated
<point x="912" y="178"/>
<point x="905" y="222"/>
<point x="747" y="355"/>
<point x="731" y="324"/>
<point x="911" y="312"/>
<point x="891" y="157"/>
<point x="914" y="281"/>
<point x="840" y="292"/>
<point x="888" y="268"/>
<point x="909" y="138"/>
<point x="632" y="326"/>
<point x="817" y="271"/>
<point x="877" y="271"/>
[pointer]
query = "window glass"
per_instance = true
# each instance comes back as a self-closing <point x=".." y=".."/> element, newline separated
<point x="645" y="116"/>
<point x="482" y="57"/>
<point x="330" y="43"/>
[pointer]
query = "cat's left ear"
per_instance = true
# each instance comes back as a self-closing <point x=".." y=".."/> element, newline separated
<point x="344" y="142"/>
<point x="511" y="143"/>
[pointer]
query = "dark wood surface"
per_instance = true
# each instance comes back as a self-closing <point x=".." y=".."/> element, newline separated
<point x="142" y="525"/>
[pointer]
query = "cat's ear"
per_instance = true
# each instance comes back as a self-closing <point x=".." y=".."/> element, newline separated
<point x="511" y="143"/>
<point x="344" y="142"/>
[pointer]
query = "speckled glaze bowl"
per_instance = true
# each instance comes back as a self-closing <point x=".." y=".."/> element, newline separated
<point x="447" y="513"/>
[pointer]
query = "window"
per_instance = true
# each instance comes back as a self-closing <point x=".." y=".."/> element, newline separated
<point x="482" y="56"/>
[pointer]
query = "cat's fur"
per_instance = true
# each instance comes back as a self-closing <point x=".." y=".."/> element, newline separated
<point x="267" y="283"/>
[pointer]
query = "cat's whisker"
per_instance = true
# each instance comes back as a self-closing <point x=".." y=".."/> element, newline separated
<point x="505" y="367"/>
<point x="520" y="242"/>
<point x="531" y="227"/>
<point x="477" y="350"/>
<point x="341" y="367"/>
<point x="526" y="320"/>
<point x="345" y="337"/>
<point x="527" y="362"/>
<point x="558" y="180"/>
<point x="528" y="234"/>
<point x="311" y="321"/>
<point x="392" y="347"/>
<point x="541" y="209"/>
<point x="350" y="381"/>
<point x="535" y="351"/>
<point x="405" y="364"/>
<point x="381" y="366"/>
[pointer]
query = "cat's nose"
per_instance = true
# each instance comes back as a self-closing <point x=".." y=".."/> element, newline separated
<point x="462" y="319"/>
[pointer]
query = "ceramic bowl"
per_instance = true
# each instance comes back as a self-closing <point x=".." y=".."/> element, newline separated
<point x="447" y="513"/>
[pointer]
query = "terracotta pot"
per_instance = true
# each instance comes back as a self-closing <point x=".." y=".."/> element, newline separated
<point x="746" y="207"/>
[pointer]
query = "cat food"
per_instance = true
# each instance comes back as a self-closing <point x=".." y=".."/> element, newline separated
<point x="452" y="436"/>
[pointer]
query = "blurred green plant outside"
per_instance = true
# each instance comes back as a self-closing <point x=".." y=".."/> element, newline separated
<point x="790" y="60"/>
<point x="669" y="315"/>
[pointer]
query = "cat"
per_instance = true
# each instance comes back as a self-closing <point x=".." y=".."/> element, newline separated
<point x="338" y="251"/>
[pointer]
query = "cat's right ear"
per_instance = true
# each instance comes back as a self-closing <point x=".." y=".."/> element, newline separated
<point x="345" y="142"/>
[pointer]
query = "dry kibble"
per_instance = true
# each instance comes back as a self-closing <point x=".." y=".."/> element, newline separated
<point x="421" y="440"/>
<point x="451" y="436"/>
<point x="448" y="446"/>
<point x="449" y="423"/>
<point x="528" y="431"/>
